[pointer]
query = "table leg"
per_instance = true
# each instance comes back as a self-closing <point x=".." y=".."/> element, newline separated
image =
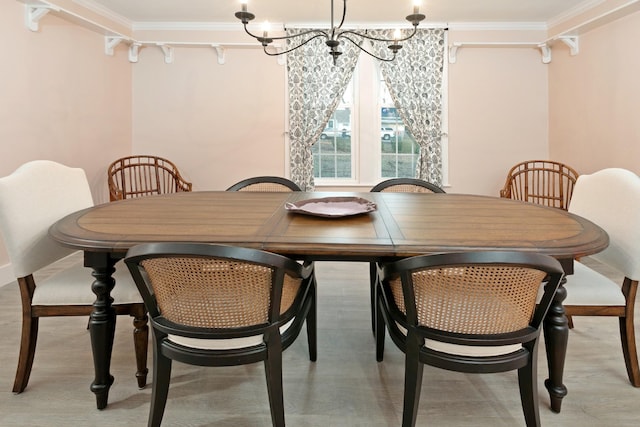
<point x="102" y="324"/>
<point x="556" y="336"/>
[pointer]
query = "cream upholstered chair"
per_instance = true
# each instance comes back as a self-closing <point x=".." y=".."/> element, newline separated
<point x="214" y="305"/>
<point x="32" y="198"/>
<point x="543" y="182"/>
<point x="611" y="199"/>
<point x="143" y="175"/>
<point x="265" y="184"/>
<point x="471" y="312"/>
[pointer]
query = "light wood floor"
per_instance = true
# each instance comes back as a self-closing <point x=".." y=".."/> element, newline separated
<point x="345" y="387"/>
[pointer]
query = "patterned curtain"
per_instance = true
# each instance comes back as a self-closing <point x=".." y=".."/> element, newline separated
<point x="315" y="89"/>
<point x="414" y="79"/>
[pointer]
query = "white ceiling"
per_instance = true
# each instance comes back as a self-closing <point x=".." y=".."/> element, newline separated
<point x="358" y="11"/>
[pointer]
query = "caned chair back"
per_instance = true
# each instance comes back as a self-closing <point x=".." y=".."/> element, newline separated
<point x="543" y="182"/>
<point x="481" y="294"/>
<point x="215" y="292"/>
<point x="32" y="198"/>
<point x="210" y="287"/>
<point x="407" y="185"/>
<point x="265" y="184"/>
<point x="137" y="176"/>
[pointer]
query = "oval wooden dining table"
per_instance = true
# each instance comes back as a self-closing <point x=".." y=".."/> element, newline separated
<point x="402" y="225"/>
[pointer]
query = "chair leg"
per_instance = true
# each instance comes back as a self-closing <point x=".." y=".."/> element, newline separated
<point x="379" y="330"/>
<point x="569" y="321"/>
<point x="160" y="390"/>
<point x="412" y="384"/>
<point x="28" y="342"/>
<point x="627" y="332"/>
<point x="629" y="350"/>
<point x="312" y="325"/>
<point x="373" y="278"/>
<point x="273" y="371"/>
<point x="528" y="382"/>
<point x="141" y="343"/>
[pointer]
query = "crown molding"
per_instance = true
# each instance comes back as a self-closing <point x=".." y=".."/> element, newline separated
<point x="573" y="12"/>
<point x="103" y="11"/>
<point x="225" y="26"/>
<point x="498" y="26"/>
<point x="189" y="26"/>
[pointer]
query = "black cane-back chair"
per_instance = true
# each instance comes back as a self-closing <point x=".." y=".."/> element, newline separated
<point x="397" y="185"/>
<point x="213" y="305"/>
<point x="265" y="184"/>
<point x="471" y="312"/>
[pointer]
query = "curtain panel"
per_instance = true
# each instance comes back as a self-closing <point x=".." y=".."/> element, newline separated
<point x="414" y="80"/>
<point x="315" y="89"/>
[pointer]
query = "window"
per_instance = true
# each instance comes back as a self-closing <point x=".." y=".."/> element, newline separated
<point x="365" y="141"/>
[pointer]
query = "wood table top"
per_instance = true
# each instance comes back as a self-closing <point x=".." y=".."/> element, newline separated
<point x="404" y="224"/>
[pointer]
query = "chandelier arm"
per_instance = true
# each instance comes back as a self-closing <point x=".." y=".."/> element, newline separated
<point x="344" y="12"/>
<point x="366" y="36"/>
<point x="317" y="32"/>
<point x="293" y="48"/>
<point x="366" y="51"/>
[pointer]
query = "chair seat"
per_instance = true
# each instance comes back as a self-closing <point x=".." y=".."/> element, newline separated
<point x="72" y="286"/>
<point x="588" y="287"/>
<point x="466" y="350"/>
<point x="224" y="344"/>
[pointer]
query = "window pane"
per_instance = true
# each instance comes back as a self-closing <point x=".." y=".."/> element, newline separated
<point x="406" y="166"/>
<point x="332" y="153"/>
<point x="327" y="166"/>
<point x="399" y="151"/>
<point x="343" y="166"/>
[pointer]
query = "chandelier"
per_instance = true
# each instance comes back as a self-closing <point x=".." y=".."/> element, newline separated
<point x="334" y="35"/>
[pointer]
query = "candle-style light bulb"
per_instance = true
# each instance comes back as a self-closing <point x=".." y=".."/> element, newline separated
<point x="266" y="27"/>
<point x="397" y="35"/>
<point x="243" y="4"/>
<point x="416" y="6"/>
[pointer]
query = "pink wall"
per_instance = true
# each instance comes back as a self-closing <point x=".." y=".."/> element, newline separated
<point x="594" y="99"/>
<point x="497" y="113"/>
<point x="61" y="98"/>
<point x="219" y="123"/>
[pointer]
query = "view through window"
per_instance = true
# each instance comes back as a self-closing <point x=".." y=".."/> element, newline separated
<point x="332" y="153"/>
<point x="398" y="150"/>
<point x="336" y="152"/>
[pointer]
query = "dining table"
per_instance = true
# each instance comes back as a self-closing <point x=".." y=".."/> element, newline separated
<point x="393" y="226"/>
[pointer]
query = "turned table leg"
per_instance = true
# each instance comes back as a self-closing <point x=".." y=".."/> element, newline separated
<point x="556" y="336"/>
<point x="102" y="323"/>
